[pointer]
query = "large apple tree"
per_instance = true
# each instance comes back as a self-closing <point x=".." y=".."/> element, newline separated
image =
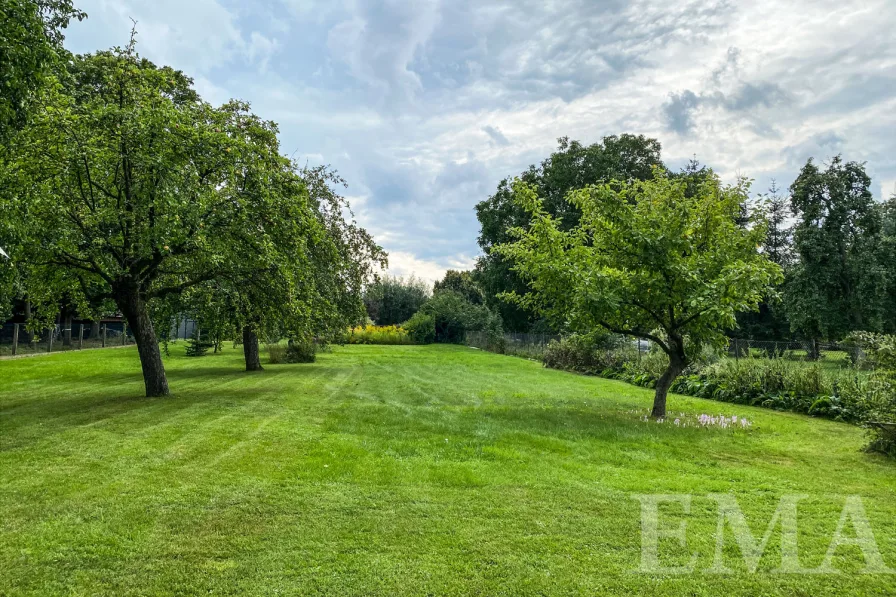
<point x="127" y="186"/>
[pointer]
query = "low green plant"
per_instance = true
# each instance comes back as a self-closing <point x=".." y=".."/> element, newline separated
<point x="276" y="353"/>
<point x="377" y="334"/>
<point x="879" y="353"/>
<point x="421" y="328"/>
<point x="301" y="351"/>
<point x="198" y="346"/>
<point x="454" y="316"/>
<point x="776" y="383"/>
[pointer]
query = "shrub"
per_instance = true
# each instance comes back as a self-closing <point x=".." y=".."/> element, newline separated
<point x="301" y="351"/>
<point x="772" y="383"/>
<point x="589" y="353"/>
<point x="421" y="328"/>
<point x="378" y="334"/>
<point x="198" y="346"/>
<point x="276" y="353"/>
<point x="454" y="316"/>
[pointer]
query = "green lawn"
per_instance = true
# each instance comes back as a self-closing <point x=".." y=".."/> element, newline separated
<point x="398" y="470"/>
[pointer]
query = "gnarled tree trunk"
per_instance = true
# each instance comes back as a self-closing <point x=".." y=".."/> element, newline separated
<point x="250" y="349"/>
<point x="677" y="364"/>
<point x="133" y="307"/>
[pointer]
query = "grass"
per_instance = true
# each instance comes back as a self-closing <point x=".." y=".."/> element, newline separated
<point x="398" y="470"/>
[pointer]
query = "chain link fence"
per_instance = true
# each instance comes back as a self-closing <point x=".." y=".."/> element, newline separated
<point x="16" y="339"/>
<point x="530" y="346"/>
<point x="835" y="355"/>
<point x="827" y="354"/>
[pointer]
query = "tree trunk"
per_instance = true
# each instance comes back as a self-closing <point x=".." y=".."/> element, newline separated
<point x="250" y="349"/>
<point x="677" y="364"/>
<point x="94" y="330"/>
<point x="133" y="307"/>
<point x="28" y="320"/>
<point x="67" y="327"/>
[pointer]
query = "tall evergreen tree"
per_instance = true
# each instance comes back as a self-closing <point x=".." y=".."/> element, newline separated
<point x="770" y="321"/>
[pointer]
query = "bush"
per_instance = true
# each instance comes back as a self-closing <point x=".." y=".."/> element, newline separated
<point x="421" y="328"/>
<point x="772" y="383"/>
<point x="589" y="353"/>
<point x="276" y="353"/>
<point x="378" y="334"/>
<point x="301" y="351"/>
<point x="198" y="346"/>
<point x="454" y="316"/>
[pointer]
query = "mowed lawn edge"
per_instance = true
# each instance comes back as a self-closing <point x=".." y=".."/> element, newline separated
<point x="399" y="470"/>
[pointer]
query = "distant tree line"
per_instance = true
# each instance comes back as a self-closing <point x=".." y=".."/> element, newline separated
<point x="832" y="240"/>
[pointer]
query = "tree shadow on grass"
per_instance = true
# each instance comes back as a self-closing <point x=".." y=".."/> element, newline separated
<point x="103" y="398"/>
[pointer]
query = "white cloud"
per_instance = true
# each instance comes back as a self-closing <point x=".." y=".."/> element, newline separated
<point x="425" y="106"/>
<point x="406" y="264"/>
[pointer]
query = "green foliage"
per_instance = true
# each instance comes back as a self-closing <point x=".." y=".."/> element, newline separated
<point x="887" y="257"/>
<point x="644" y="257"/>
<point x="199" y="345"/>
<point x="770" y="383"/>
<point x="301" y="351"/>
<point x="276" y="353"/>
<point x="343" y="266"/>
<point x="583" y="353"/>
<point x="572" y="166"/>
<point x="137" y="191"/>
<point x="463" y="283"/>
<point x="421" y="328"/>
<point x="392" y="300"/>
<point x="769" y="321"/>
<point x="880" y="352"/>
<point x="377" y="334"/>
<point x="31" y="52"/>
<point x="454" y="315"/>
<point x="838" y="280"/>
<point x="646" y="260"/>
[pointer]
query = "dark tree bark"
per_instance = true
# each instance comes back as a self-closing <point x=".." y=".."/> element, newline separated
<point x="133" y="307"/>
<point x="677" y="363"/>
<point x="250" y="349"/>
<point x="28" y="320"/>
<point x="94" y="330"/>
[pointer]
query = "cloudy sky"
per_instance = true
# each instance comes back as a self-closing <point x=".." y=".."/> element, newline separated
<point x="425" y="105"/>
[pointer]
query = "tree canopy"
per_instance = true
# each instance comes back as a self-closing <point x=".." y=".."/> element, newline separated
<point x="31" y="36"/>
<point x="572" y="166"/>
<point x="647" y="259"/>
<point x="461" y="282"/>
<point x="392" y="300"/>
<point x="837" y="283"/>
<point x="127" y="186"/>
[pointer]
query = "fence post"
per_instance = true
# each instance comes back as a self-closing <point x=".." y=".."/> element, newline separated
<point x="50" y="339"/>
<point x="15" y="338"/>
<point x="124" y="333"/>
<point x="81" y="337"/>
<point x="104" y="335"/>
